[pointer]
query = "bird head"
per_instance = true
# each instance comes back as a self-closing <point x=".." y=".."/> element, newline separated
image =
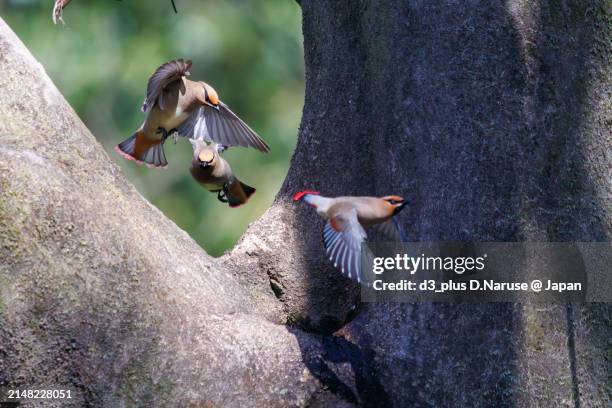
<point x="203" y="155"/>
<point x="310" y="197"/>
<point x="301" y="194"/>
<point x="211" y="97"/>
<point x="206" y="158"/>
<point x="396" y="203"/>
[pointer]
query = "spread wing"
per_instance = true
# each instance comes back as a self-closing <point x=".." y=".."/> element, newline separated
<point x="343" y="236"/>
<point x="162" y="77"/>
<point x="194" y="127"/>
<point x="222" y="127"/>
<point x="226" y="128"/>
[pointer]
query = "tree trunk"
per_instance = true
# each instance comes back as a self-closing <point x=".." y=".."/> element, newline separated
<point x="492" y="118"/>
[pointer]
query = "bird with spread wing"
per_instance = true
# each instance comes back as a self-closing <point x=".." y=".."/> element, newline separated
<point x="192" y="109"/>
<point x="344" y="231"/>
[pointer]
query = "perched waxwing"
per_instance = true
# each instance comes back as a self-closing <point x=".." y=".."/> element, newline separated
<point x="214" y="173"/>
<point x="174" y="104"/>
<point x="346" y="218"/>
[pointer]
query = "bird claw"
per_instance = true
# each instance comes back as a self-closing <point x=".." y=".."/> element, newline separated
<point x="174" y="134"/>
<point x="166" y="134"/>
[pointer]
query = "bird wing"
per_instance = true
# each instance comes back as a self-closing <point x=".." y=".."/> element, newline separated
<point x="228" y="129"/>
<point x="343" y="236"/>
<point x="391" y="230"/>
<point x="162" y="77"/>
<point x="222" y="127"/>
<point x="194" y="127"/>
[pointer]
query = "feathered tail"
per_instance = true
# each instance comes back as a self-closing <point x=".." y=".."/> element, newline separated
<point x="239" y="193"/>
<point x="141" y="150"/>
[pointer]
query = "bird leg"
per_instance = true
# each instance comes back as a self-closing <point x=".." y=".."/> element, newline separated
<point x="174" y="134"/>
<point x="165" y="134"/>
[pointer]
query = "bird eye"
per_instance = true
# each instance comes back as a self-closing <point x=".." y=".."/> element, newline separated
<point x="392" y="202"/>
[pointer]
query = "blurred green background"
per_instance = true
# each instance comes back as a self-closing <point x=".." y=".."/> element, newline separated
<point x="250" y="51"/>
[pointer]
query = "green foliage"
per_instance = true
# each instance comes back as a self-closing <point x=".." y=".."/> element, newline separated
<point x="250" y="51"/>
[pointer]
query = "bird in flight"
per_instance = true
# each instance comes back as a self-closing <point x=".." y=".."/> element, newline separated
<point x="344" y="233"/>
<point x="214" y="173"/>
<point x="192" y="109"/>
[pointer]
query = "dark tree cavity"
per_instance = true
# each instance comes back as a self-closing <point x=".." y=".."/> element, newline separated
<point x="493" y="118"/>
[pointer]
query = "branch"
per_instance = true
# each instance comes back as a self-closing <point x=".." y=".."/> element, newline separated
<point x="58" y="7"/>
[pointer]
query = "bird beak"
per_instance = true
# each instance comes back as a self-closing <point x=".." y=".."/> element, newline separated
<point x="399" y="208"/>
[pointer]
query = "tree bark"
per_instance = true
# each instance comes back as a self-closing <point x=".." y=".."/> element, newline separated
<point x="492" y="118"/>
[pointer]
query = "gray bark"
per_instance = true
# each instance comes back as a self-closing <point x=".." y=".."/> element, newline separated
<point x="492" y="118"/>
<point x="101" y="294"/>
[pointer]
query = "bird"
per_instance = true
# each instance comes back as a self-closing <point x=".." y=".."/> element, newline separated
<point x="179" y="106"/>
<point x="215" y="174"/>
<point x="344" y="231"/>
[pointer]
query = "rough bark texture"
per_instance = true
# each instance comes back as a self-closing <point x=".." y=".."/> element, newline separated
<point x="100" y="293"/>
<point x="492" y="117"/>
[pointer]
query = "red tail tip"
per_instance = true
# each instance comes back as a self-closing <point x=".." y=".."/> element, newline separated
<point x="301" y="194"/>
